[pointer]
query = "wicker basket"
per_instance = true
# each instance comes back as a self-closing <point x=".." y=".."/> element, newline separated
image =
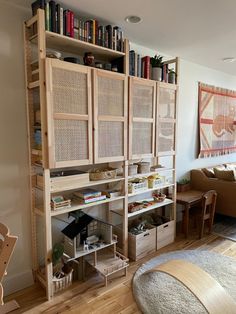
<point x="132" y="170"/>
<point x="62" y="283"/>
<point x="102" y="174"/>
<point x="143" y="167"/>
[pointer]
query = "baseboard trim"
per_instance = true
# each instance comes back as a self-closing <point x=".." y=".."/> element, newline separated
<point x="17" y="282"/>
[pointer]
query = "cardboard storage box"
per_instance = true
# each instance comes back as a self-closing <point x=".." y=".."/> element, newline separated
<point x="142" y="244"/>
<point x="165" y="234"/>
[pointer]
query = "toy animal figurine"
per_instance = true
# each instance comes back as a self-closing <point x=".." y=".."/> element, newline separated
<point x="86" y="246"/>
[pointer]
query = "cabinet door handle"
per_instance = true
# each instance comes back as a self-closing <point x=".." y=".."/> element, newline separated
<point x="147" y="234"/>
<point x="166" y="226"/>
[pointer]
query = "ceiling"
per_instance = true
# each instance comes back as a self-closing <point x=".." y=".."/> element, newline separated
<point x="201" y="31"/>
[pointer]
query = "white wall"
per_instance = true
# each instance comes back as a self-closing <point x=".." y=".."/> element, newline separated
<point x="14" y="190"/>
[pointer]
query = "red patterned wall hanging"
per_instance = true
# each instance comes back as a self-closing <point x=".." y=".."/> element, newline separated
<point x="217" y="120"/>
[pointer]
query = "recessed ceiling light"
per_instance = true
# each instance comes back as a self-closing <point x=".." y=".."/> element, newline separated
<point x="134" y="19"/>
<point x="229" y="59"/>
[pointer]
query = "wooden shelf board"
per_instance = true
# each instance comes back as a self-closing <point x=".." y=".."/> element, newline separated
<point x="78" y="206"/>
<point x="156" y="205"/>
<point x="68" y="44"/>
<point x="138" y="175"/>
<point x="152" y="189"/>
<point x="90" y="183"/>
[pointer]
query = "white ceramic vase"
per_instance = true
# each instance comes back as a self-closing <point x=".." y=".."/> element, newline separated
<point x="157" y="74"/>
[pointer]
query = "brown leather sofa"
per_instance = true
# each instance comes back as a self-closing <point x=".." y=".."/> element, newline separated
<point x="226" y="190"/>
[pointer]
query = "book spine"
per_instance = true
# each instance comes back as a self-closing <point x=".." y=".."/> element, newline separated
<point x="135" y="64"/>
<point x="52" y="6"/>
<point x="67" y="23"/>
<point x="72" y="24"/>
<point x="58" y="18"/>
<point x="146" y="62"/>
<point x="61" y="21"/>
<point x="95" y="199"/>
<point x="47" y="26"/>
<point x="109" y="36"/>
<point x="94" y="32"/>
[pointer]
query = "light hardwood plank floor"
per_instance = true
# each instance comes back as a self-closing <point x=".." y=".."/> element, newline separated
<point x="92" y="297"/>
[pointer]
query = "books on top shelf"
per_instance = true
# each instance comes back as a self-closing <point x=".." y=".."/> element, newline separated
<point x="61" y="20"/>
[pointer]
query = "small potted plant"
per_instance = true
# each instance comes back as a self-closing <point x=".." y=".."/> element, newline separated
<point x="62" y="272"/>
<point x="183" y="185"/>
<point x="157" y="64"/>
<point x="171" y="76"/>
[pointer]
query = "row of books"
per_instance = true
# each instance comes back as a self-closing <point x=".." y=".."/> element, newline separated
<point x="141" y="66"/>
<point x="63" y="21"/>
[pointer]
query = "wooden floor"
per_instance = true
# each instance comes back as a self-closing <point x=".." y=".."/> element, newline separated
<point x="92" y="297"/>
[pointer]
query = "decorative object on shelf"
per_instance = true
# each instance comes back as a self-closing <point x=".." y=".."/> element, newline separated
<point x="157" y="63"/>
<point x="114" y="68"/>
<point x="72" y="59"/>
<point x="132" y="169"/>
<point x="89" y="59"/>
<point x="98" y="65"/>
<point x="183" y="185"/>
<point x="171" y="76"/>
<point x="111" y="193"/>
<point x="156" y="167"/>
<point x="107" y="66"/>
<point x="155" y="180"/>
<point x="159" y="197"/>
<point x="50" y="53"/>
<point x="137" y="184"/>
<point x="102" y="174"/>
<point x="143" y="167"/>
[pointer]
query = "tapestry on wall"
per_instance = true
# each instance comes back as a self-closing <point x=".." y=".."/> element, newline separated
<point x="217" y="110"/>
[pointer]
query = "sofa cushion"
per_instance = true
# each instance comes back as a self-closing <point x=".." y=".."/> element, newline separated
<point x="209" y="172"/>
<point x="228" y="175"/>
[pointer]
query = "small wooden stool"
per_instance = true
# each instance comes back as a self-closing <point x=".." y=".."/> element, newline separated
<point x="207" y="290"/>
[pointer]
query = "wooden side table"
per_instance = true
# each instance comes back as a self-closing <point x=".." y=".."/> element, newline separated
<point x="188" y="199"/>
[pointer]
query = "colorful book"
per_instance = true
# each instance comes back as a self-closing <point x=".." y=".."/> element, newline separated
<point x="87" y="193"/>
<point x="146" y="67"/>
<point x="95" y="199"/>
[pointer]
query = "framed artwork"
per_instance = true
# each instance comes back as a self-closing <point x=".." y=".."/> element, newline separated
<point x="217" y="120"/>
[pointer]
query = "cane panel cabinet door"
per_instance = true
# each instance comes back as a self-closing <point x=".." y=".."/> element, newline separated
<point x="166" y="119"/>
<point x="142" y="103"/>
<point x="69" y="114"/>
<point x="110" y="116"/>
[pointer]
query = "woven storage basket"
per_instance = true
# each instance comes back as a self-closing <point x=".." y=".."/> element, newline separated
<point x="99" y="174"/>
<point x="132" y="170"/>
<point x="62" y="283"/>
<point x="143" y="167"/>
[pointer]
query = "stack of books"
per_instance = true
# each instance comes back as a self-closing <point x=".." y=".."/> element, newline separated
<point x="89" y="196"/>
<point x="63" y="21"/>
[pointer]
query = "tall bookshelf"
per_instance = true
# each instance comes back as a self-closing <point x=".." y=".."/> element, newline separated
<point x="89" y="118"/>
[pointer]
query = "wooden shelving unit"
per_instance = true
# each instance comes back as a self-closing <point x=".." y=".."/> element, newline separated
<point x="84" y="124"/>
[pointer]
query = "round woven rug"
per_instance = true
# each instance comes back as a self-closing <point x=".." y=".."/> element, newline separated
<point x="161" y="293"/>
